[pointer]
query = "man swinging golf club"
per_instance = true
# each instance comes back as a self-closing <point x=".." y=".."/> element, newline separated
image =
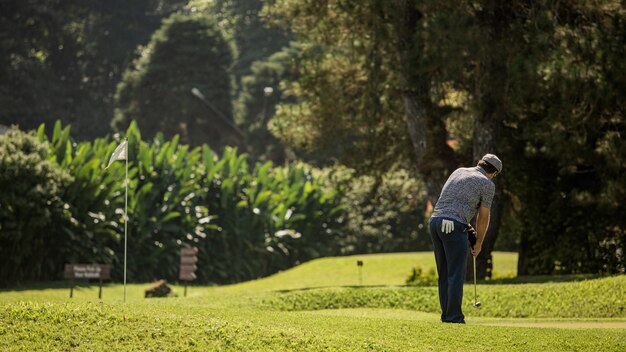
<point x="468" y="192"/>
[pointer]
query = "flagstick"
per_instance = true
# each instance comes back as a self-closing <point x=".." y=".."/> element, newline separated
<point x="125" y="218"/>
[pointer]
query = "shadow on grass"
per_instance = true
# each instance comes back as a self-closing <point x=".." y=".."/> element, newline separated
<point x="48" y="285"/>
<point x="537" y="279"/>
<point x="541" y="279"/>
<point x="340" y="286"/>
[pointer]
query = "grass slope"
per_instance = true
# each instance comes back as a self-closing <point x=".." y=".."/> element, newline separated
<point x="389" y="269"/>
<point x="245" y="317"/>
<point x="599" y="298"/>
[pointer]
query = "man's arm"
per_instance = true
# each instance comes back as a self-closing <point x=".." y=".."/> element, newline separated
<point x="482" y="224"/>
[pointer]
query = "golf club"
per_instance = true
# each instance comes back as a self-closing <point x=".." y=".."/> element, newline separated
<point x="476" y="304"/>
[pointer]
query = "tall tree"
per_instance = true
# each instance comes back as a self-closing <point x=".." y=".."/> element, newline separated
<point x="508" y="66"/>
<point x="497" y="23"/>
<point x="386" y="62"/>
<point x="34" y="46"/>
<point x="182" y="84"/>
<point x="372" y="76"/>
<point x="243" y="23"/>
<point x="570" y="137"/>
<point x="258" y="66"/>
<point x="63" y="59"/>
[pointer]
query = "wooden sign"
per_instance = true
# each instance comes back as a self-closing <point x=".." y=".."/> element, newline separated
<point x="188" y="267"/>
<point x="188" y="251"/>
<point x="187" y="276"/>
<point x="88" y="271"/>
<point x="188" y="260"/>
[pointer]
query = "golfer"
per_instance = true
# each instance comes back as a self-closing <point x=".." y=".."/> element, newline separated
<point x="467" y="191"/>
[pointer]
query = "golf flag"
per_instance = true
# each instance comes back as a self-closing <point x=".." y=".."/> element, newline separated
<point x="120" y="153"/>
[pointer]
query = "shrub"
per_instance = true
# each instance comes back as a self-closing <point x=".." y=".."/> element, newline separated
<point x="384" y="214"/>
<point x="247" y="221"/>
<point x="420" y="278"/>
<point x="32" y="210"/>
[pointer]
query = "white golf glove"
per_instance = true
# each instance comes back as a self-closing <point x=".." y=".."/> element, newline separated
<point x="447" y="226"/>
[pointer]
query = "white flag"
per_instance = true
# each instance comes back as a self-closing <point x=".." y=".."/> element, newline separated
<point x="120" y="153"/>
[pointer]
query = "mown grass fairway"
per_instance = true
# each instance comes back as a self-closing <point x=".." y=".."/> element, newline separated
<point x="288" y="311"/>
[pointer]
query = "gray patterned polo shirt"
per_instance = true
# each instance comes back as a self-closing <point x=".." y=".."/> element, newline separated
<point x="466" y="190"/>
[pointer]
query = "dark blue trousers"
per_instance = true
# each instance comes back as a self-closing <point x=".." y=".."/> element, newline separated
<point x="451" y="251"/>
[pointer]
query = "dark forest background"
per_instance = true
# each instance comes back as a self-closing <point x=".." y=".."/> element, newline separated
<point x="382" y="99"/>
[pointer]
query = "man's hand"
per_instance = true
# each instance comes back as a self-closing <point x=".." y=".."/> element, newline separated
<point x="476" y="249"/>
<point x="482" y="224"/>
<point x="471" y="235"/>
<point x="473" y="240"/>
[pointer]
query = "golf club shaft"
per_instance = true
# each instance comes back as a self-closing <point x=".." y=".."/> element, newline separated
<point x="475" y="280"/>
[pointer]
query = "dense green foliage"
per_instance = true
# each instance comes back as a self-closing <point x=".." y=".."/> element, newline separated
<point x="575" y="144"/>
<point x="268" y="219"/>
<point x="242" y="21"/>
<point x="248" y="222"/>
<point x="61" y="60"/>
<point x="418" y="85"/>
<point x="385" y="213"/>
<point x="187" y="52"/>
<point x="259" y="65"/>
<point x="32" y="209"/>
<point x="442" y="82"/>
<point x="261" y="91"/>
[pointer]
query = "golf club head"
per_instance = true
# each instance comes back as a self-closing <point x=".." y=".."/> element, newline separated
<point x="477" y="304"/>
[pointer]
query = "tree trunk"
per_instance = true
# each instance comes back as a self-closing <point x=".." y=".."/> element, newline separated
<point x="434" y="158"/>
<point x="522" y="259"/>
<point x="491" y="93"/>
<point x="485" y="136"/>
